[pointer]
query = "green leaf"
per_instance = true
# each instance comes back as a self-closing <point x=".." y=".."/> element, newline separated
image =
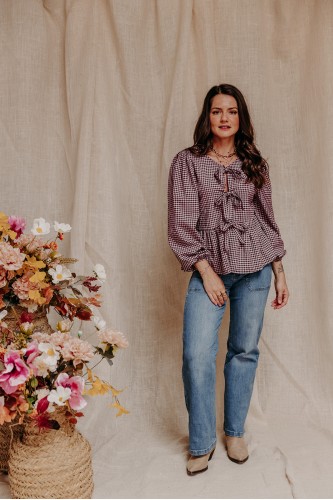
<point x="34" y="382"/>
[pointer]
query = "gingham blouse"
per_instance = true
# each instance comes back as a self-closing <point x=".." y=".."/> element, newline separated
<point x="234" y="230"/>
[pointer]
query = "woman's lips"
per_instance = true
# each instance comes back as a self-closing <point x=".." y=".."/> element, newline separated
<point x="224" y="127"/>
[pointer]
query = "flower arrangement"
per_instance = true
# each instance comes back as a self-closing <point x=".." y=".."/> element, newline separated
<point x="41" y="371"/>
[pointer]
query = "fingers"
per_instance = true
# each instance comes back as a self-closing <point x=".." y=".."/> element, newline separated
<point x="281" y="299"/>
<point x="218" y="298"/>
<point x="215" y="289"/>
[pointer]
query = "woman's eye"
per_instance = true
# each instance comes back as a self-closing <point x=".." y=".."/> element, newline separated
<point x="233" y="112"/>
<point x="215" y="112"/>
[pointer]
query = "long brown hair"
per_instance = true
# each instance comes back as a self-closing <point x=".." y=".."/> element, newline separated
<point x="254" y="165"/>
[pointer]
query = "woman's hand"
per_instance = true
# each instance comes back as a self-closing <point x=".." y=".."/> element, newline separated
<point x="212" y="283"/>
<point x="214" y="287"/>
<point x="281" y="289"/>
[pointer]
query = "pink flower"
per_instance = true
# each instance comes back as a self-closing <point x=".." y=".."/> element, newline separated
<point x="76" y="385"/>
<point x="40" y="336"/>
<point x="113" y="337"/>
<point x="15" y="373"/>
<point x="58" y="338"/>
<point x="10" y="258"/>
<point x="78" y="350"/>
<point x="29" y="241"/>
<point x="22" y="286"/>
<point x="32" y="352"/>
<point x="17" y="224"/>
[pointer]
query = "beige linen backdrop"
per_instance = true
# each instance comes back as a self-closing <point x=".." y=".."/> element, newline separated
<point x="97" y="96"/>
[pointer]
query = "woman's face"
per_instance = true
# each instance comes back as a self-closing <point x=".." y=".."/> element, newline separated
<point x="224" y="118"/>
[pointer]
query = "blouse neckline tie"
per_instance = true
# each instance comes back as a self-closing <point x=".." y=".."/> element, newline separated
<point x="232" y="169"/>
<point x="227" y="197"/>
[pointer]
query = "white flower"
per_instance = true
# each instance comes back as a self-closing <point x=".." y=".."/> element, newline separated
<point x="32" y="307"/>
<point x="3" y="314"/>
<point x="99" y="323"/>
<point x="40" y="226"/>
<point x="42" y="393"/>
<point x="59" y="395"/>
<point x="40" y="337"/>
<point x="26" y="327"/>
<point x="99" y="270"/>
<point x="60" y="273"/>
<point x="61" y="228"/>
<point x="41" y="368"/>
<point x="50" y="355"/>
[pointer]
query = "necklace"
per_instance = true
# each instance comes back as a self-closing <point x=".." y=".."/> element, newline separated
<point x="224" y="160"/>
<point x="219" y="155"/>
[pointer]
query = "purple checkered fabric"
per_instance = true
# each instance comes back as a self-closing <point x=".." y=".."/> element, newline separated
<point x="234" y="230"/>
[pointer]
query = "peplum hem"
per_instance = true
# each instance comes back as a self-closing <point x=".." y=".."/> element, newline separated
<point x="231" y="254"/>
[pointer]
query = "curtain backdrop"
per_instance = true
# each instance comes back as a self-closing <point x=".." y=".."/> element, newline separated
<point x="97" y="96"/>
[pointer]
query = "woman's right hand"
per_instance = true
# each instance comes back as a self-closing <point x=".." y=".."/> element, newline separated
<point x="214" y="287"/>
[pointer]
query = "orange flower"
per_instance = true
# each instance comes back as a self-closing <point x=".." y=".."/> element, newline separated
<point x="23" y="407"/>
<point x="5" y="415"/>
<point x="54" y="246"/>
<point x="2" y="304"/>
<point x="48" y="294"/>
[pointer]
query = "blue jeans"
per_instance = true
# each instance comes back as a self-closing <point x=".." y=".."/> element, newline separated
<point x="202" y="319"/>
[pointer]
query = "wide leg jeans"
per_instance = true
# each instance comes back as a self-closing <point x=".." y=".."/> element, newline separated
<point x="202" y="319"/>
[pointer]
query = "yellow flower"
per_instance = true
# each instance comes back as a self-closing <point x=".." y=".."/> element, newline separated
<point x="121" y="409"/>
<point x="36" y="297"/>
<point x="33" y="262"/>
<point x="38" y="277"/>
<point x="5" y="227"/>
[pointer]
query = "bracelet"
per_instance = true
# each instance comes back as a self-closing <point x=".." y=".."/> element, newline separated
<point x="204" y="270"/>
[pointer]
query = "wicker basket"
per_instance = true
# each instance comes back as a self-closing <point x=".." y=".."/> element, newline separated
<point x="8" y="434"/>
<point x="51" y="463"/>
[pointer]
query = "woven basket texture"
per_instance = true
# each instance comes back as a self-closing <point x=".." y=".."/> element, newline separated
<point x="8" y="434"/>
<point x="51" y="463"/>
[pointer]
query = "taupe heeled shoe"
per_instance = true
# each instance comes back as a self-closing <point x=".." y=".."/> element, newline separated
<point x="237" y="449"/>
<point x="195" y="465"/>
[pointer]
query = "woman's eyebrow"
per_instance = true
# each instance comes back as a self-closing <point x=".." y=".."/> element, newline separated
<point x="233" y="107"/>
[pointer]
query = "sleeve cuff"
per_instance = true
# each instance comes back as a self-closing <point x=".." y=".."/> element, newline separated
<point x="189" y="264"/>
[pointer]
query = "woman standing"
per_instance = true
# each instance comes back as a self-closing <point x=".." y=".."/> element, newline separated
<point x="221" y="227"/>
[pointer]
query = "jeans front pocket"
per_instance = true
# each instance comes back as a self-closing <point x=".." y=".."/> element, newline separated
<point x="260" y="280"/>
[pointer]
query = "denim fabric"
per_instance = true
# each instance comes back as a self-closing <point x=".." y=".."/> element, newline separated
<point x="202" y="319"/>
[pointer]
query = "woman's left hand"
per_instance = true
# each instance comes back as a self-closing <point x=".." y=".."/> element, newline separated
<point x="282" y="292"/>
